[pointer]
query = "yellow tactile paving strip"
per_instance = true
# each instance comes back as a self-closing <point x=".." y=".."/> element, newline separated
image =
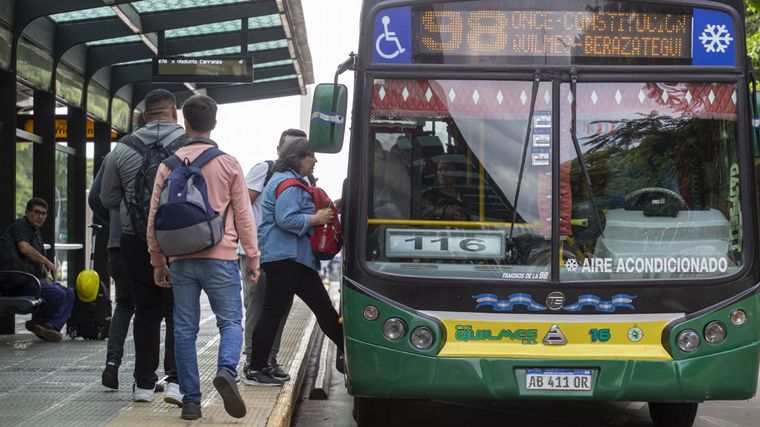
<point x="266" y="406"/>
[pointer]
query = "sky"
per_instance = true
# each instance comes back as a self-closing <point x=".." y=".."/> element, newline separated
<point x="250" y="130"/>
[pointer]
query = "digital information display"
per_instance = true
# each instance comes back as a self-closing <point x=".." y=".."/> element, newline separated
<point x="203" y="69"/>
<point x="612" y="33"/>
<point x="550" y="33"/>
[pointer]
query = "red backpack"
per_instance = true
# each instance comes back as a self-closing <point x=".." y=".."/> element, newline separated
<point x="327" y="240"/>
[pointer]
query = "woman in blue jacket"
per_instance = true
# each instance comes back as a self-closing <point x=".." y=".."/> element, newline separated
<point x="287" y="258"/>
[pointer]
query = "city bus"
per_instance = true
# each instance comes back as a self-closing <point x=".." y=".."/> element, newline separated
<point x="547" y="200"/>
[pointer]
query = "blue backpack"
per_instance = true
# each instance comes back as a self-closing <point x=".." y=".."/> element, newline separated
<point x="185" y="223"/>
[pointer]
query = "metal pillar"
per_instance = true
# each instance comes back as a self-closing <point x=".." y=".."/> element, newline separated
<point x="44" y="163"/>
<point x="7" y="148"/>
<point x="77" y="139"/>
<point x="7" y="168"/>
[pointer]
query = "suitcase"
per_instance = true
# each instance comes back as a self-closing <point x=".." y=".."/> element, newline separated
<point x="91" y="320"/>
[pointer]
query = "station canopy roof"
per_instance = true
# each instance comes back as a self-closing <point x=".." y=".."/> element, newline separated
<point x="107" y="46"/>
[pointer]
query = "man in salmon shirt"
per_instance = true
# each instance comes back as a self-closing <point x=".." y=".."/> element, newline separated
<point x="214" y="270"/>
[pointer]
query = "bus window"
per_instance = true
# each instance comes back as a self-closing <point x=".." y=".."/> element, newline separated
<point x="444" y="180"/>
<point x="662" y="160"/>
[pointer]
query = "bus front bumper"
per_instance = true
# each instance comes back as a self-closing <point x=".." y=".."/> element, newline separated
<point x="375" y="371"/>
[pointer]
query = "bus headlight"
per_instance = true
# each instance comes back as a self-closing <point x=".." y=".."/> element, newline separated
<point x="394" y="328"/>
<point x="715" y="332"/>
<point x="738" y="317"/>
<point x="370" y="313"/>
<point x="688" y="340"/>
<point x="422" y="338"/>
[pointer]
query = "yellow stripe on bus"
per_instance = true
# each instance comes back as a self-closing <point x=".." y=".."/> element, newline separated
<point x="585" y="340"/>
<point x="581" y="222"/>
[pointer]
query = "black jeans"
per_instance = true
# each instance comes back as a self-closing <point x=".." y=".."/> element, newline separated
<point x="284" y="280"/>
<point x="125" y="307"/>
<point x="152" y="304"/>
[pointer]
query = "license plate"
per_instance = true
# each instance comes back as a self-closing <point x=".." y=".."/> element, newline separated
<point x="558" y="379"/>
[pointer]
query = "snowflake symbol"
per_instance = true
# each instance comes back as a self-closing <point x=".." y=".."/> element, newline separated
<point x="571" y="265"/>
<point x="715" y="38"/>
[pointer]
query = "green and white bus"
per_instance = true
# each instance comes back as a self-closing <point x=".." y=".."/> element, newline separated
<point x="548" y="200"/>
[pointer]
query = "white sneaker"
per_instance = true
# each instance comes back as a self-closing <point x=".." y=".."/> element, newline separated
<point x="142" y="394"/>
<point x="172" y="394"/>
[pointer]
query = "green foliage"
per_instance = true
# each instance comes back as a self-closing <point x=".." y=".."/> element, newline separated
<point x="24" y="174"/>
<point x="752" y="30"/>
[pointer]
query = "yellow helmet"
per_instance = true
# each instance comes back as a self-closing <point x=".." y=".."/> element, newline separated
<point x="88" y="285"/>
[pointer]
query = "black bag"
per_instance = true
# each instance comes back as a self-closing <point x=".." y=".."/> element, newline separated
<point x="11" y="259"/>
<point x="138" y="206"/>
<point x="91" y="320"/>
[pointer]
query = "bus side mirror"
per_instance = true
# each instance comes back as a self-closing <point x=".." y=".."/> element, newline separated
<point x="328" y="118"/>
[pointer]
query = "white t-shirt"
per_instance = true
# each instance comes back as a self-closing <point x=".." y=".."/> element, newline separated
<point x="255" y="181"/>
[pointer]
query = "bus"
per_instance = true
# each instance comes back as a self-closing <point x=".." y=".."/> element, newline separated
<point x="547" y="200"/>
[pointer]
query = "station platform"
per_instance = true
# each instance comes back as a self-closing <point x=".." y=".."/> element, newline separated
<point x="58" y="384"/>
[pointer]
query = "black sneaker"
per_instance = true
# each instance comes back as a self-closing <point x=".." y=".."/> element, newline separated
<point x="260" y="378"/>
<point x="276" y="372"/>
<point x="228" y="389"/>
<point x="191" y="411"/>
<point x="340" y="362"/>
<point x="110" y="377"/>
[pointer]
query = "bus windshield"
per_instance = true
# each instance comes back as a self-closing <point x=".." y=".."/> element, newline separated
<point x="445" y="166"/>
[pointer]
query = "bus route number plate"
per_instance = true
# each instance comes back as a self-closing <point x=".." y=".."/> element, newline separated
<point x="558" y="379"/>
<point x="444" y="244"/>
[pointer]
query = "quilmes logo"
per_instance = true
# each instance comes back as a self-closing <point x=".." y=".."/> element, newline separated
<point x="467" y="333"/>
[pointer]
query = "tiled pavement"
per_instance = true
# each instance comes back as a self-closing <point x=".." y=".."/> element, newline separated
<point x="58" y="384"/>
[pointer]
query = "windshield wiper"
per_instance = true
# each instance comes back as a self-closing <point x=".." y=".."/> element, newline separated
<point x="574" y="135"/>
<point x="534" y="92"/>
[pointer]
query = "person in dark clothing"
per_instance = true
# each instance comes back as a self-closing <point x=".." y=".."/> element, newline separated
<point x="125" y="303"/>
<point x="49" y="320"/>
<point x="287" y="257"/>
<point x="152" y="304"/>
<point x="444" y="201"/>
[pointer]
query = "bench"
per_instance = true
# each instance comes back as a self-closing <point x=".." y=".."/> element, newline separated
<point x="12" y="305"/>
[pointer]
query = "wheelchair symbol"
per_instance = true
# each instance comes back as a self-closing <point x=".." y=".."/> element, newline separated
<point x="389" y="37"/>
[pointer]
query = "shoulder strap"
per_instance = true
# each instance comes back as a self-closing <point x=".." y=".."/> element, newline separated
<point x="290" y="182"/>
<point x="134" y="143"/>
<point x="176" y="143"/>
<point x="270" y="172"/>
<point x="173" y="161"/>
<point x="206" y="156"/>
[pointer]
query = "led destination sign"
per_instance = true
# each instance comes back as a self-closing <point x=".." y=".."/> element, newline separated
<point x="555" y="33"/>
<point x="550" y="32"/>
<point x="203" y="69"/>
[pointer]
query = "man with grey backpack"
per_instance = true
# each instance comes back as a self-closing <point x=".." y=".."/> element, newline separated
<point x="199" y="209"/>
<point x="127" y="185"/>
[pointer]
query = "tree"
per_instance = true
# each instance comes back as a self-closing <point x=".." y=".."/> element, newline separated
<point x="752" y="30"/>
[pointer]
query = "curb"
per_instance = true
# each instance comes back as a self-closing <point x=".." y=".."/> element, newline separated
<point x="283" y="408"/>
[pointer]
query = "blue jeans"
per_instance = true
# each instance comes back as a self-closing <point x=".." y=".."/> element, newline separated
<point x="58" y="303"/>
<point x="220" y="280"/>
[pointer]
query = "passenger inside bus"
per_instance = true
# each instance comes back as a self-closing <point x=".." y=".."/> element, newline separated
<point x="444" y="201"/>
<point x="391" y="181"/>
